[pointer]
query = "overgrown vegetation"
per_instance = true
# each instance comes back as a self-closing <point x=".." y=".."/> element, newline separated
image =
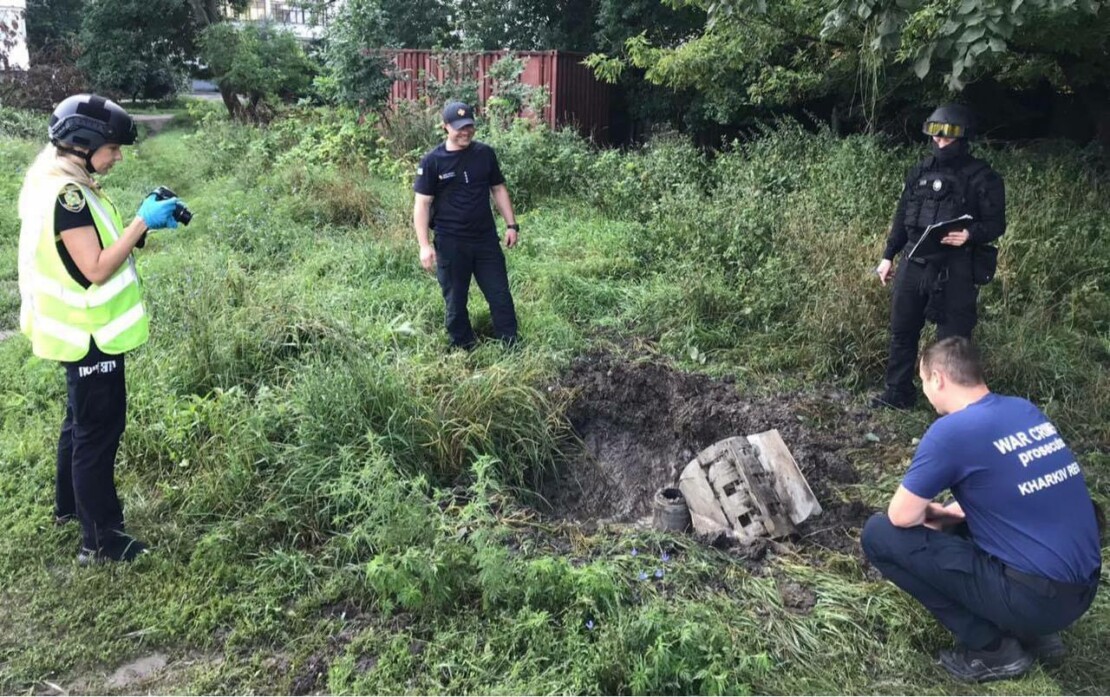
<point x="338" y="504"/>
<point x="256" y="67"/>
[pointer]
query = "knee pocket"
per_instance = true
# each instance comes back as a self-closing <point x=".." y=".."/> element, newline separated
<point x="960" y="559"/>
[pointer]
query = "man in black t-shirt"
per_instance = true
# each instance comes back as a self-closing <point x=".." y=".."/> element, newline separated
<point x="453" y="186"/>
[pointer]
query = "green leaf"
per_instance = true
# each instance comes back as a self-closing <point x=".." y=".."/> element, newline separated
<point x="921" y="66"/>
<point x="972" y="34"/>
<point x="997" y="45"/>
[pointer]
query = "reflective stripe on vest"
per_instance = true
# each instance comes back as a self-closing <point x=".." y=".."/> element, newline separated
<point x="63" y="314"/>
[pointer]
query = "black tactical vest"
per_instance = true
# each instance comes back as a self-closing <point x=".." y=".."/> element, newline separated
<point x="938" y="194"/>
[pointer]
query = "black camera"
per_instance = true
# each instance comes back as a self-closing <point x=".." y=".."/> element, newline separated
<point x="181" y="212"/>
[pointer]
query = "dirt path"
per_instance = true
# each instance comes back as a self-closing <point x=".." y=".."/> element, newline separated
<point x="155" y="123"/>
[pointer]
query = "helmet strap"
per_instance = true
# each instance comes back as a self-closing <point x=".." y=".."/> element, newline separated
<point x="86" y="156"/>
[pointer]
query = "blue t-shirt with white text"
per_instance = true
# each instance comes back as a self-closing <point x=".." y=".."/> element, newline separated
<point x="1023" y="492"/>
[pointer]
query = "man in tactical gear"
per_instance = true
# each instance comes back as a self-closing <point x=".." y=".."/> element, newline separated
<point x="947" y="254"/>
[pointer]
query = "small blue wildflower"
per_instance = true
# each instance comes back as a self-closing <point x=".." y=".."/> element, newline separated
<point x="643" y="576"/>
<point x="635" y="551"/>
<point x="658" y="573"/>
<point x="590" y="625"/>
<point x="666" y="557"/>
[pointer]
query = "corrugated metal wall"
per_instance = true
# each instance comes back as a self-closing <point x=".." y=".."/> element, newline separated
<point x="577" y="98"/>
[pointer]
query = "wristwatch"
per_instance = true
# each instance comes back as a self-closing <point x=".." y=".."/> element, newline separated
<point x="514" y="226"/>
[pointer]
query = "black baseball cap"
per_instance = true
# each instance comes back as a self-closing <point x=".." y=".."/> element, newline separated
<point x="457" y="114"/>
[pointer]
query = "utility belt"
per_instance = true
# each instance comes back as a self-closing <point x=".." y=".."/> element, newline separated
<point x="1050" y="587"/>
<point x="942" y="258"/>
<point x="984" y="261"/>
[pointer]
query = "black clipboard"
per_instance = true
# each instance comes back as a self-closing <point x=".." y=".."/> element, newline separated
<point x="942" y="228"/>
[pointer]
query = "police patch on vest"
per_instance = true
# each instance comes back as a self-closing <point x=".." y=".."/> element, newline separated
<point x="72" y="198"/>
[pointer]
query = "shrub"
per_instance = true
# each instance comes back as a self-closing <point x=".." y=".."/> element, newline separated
<point x="52" y="76"/>
<point x="18" y="123"/>
<point x="361" y="76"/>
<point x="509" y="97"/>
<point x="538" y="162"/>
<point x="255" y="67"/>
<point x="135" y="48"/>
<point x="410" y="129"/>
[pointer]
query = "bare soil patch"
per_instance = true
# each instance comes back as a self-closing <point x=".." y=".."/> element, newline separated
<point x="642" y="421"/>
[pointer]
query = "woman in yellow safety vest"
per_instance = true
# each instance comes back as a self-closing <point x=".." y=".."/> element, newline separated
<point x="82" y="305"/>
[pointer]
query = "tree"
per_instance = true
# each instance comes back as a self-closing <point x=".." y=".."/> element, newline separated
<point x="253" y="66"/>
<point x="876" y="53"/>
<point x="527" y="25"/>
<point x="418" y="24"/>
<point x="963" y="41"/>
<point x="207" y="12"/>
<point x="52" y="22"/>
<point x="360" y="73"/>
<point x="136" y="48"/>
<point x="753" y="57"/>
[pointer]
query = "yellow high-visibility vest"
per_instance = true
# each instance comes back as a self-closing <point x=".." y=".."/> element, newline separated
<point x="62" y="315"/>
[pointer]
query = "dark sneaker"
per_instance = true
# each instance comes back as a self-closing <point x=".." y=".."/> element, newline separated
<point x="119" y="548"/>
<point x="893" y="400"/>
<point x="1048" y="649"/>
<point x="1009" y="660"/>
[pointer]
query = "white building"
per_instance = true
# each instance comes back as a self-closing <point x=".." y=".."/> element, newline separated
<point x="289" y="15"/>
<point x="13" y="35"/>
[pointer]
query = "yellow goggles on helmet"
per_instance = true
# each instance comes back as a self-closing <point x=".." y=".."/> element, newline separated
<point x="944" y="130"/>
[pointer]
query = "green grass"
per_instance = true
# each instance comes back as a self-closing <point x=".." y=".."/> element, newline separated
<point x="330" y="492"/>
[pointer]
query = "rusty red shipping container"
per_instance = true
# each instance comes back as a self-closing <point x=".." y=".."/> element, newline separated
<point x="575" y="97"/>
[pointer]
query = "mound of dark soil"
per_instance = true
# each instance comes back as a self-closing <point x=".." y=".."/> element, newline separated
<point x="642" y="422"/>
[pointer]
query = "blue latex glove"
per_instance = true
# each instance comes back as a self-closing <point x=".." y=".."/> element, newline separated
<point x="158" y="214"/>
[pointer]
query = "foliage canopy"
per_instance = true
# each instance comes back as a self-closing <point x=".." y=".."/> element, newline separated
<point x="254" y="65"/>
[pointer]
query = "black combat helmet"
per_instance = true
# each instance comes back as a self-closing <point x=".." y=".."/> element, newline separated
<point x="950" y="121"/>
<point x="89" y="121"/>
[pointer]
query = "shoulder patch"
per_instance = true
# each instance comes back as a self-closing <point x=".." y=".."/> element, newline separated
<point x="72" y="198"/>
<point x="419" y="171"/>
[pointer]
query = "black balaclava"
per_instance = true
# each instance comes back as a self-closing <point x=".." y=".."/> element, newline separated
<point x="956" y="150"/>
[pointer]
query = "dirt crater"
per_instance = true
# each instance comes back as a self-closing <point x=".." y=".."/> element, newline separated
<point x="642" y="421"/>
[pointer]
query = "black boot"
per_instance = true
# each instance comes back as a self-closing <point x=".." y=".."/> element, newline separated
<point x="894" y="399"/>
<point x="1009" y="660"/>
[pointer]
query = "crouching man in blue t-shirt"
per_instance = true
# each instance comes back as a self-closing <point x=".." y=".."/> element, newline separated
<point x="1024" y="560"/>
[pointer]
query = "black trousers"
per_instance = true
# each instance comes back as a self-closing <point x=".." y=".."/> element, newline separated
<point x="912" y="286"/>
<point x="970" y="592"/>
<point x="459" y="260"/>
<point x="96" y="413"/>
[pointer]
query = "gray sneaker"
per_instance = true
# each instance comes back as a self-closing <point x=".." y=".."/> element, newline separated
<point x="1048" y="649"/>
